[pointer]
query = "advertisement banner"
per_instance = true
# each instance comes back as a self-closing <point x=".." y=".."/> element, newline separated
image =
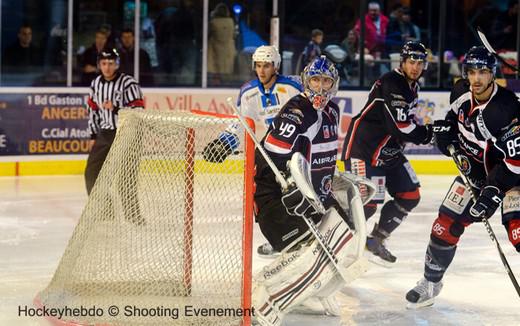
<point x="35" y="123"/>
<point x="56" y="122"/>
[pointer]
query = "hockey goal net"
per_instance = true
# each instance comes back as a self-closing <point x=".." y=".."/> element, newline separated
<point x="165" y="236"/>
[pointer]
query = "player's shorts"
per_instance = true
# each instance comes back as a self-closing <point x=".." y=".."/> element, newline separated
<point x="397" y="179"/>
<point x="278" y="227"/>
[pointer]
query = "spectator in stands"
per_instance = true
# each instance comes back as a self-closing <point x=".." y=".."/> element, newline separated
<point x="127" y="55"/>
<point x="221" y="43"/>
<point x="375" y="28"/>
<point x="351" y="45"/>
<point x="176" y="45"/>
<point x="395" y="13"/>
<point x="401" y="30"/>
<point x="89" y="57"/>
<point x="22" y="54"/>
<point x="22" y="60"/>
<point x="312" y="50"/>
<point x="503" y="31"/>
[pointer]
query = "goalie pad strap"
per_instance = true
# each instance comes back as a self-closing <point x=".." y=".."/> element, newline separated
<point x="285" y="296"/>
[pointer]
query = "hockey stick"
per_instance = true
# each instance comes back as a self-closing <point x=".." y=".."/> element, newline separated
<point x="312" y="227"/>
<point x="453" y="154"/>
<point x="488" y="46"/>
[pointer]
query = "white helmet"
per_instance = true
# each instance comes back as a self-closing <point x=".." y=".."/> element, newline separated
<point x="267" y="53"/>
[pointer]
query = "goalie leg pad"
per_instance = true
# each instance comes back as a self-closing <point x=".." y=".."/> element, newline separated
<point x="297" y="275"/>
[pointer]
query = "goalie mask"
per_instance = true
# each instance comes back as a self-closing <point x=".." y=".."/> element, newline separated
<point x="478" y="57"/>
<point x="320" y="81"/>
<point x="267" y="53"/>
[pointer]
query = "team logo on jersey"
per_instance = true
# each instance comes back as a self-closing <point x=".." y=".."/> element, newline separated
<point x="326" y="185"/>
<point x="281" y="89"/>
<point x="326" y="133"/>
<point x="461" y="116"/>
<point x="465" y="165"/>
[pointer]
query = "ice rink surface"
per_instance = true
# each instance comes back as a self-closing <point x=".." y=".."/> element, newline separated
<point x="38" y="215"/>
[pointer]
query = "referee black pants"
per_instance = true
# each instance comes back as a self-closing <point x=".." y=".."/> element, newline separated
<point x="127" y="189"/>
<point x="97" y="157"/>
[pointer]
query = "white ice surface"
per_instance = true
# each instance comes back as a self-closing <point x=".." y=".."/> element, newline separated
<point x="38" y="214"/>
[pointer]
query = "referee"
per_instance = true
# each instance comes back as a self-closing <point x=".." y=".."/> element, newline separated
<point x="109" y="92"/>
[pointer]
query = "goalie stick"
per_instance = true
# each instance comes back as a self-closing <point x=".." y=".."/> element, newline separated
<point x="488" y="46"/>
<point x="490" y="231"/>
<point x="319" y="207"/>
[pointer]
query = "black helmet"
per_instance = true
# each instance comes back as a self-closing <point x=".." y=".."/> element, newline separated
<point x="478" y="57"/>
<point x="414" y="50"/>
<point x="110" y="54"/>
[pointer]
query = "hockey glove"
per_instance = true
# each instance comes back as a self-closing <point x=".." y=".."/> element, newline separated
<point x="444" y="134"/>
<point x="513" y="231"/>
<point x="487" y="203"/>
<point x="296" y="203"/>
<point x="218" y="150"/>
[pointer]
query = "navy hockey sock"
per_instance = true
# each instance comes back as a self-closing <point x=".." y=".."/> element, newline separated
<point x="392" y="214"/>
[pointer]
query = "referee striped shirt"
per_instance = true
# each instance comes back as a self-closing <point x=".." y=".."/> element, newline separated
<point x="123" y="91"/>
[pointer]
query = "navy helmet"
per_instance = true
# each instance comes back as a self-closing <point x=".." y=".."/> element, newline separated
<point x="415" y="51"/>
<point x="478" y="57"/>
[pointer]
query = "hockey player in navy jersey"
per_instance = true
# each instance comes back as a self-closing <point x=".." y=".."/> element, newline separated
<point x="260" y="99"/>
<point x="483" y="126"/>
<point x="308" y="124"/>
<point x="375" y="141"/>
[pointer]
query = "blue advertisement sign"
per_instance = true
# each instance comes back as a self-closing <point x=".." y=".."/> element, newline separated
<point x="37" y="123"/>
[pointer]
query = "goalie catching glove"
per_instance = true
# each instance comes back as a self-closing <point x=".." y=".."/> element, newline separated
<point x="219" y="149"/>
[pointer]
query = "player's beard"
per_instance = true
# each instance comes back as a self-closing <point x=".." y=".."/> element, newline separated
<point x="410" y="78"/>
<point x="483" y="91"/>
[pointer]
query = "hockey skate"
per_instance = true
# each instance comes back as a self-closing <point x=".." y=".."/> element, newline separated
<point x="423" y="294"/>
<point x="267" y="251"/>
<point x="376" y="245"/>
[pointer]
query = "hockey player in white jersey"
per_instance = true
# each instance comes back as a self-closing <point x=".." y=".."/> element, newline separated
<point x="260" y="99"/>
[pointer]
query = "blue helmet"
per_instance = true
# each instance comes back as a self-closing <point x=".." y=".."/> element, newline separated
<point x="478" y="57"/>
<point x="320" y="66"/>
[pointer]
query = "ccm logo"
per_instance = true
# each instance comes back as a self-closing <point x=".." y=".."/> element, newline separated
<point x="441" y="128"/>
